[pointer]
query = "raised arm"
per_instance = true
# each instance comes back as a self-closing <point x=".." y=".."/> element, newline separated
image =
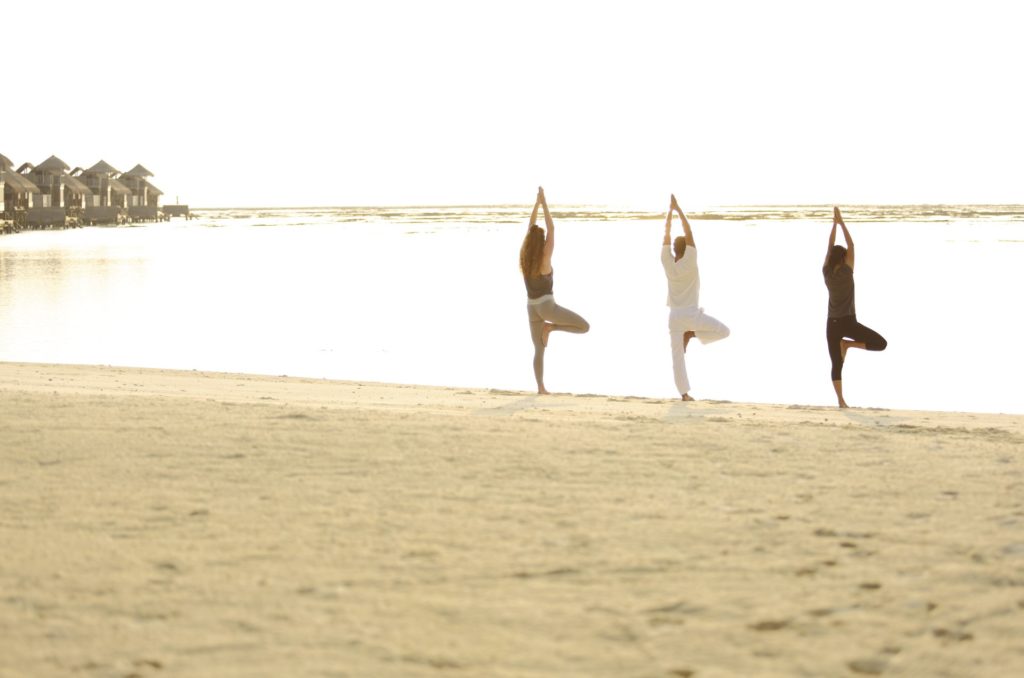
<point x="846" y="234"/>
<point x="668" y="224"/>
<point x="686" y="223"/>
<point x="831" y="238"/>
<point x="549" y="240"/>
<point x="536" y="208"/>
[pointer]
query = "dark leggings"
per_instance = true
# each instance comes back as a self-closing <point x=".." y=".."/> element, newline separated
<point x="847" y="327"/>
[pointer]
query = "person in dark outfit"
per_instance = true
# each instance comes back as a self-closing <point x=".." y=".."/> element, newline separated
<point x="843" y="332"/>
<point x="545" y="315"/>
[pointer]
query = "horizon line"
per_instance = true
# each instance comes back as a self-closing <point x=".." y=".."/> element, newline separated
<point x="607" y="205"/>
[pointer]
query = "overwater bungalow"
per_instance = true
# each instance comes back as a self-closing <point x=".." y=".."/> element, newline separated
<point x="50" y="195"/>
<point x="5" y="164"/>
<point x="76" y="197"/>
<point x="62" y="197"/>
<point x="145" y="198"/>
<point x="109" y="201"/>
<point x="18" y="194"/>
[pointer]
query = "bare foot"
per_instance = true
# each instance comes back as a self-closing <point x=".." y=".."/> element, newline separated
<point x="689" y="334"/>
<point x="545" y="333"/>
<point x="843" y="405"/>
<point x="844" y="346"/>
<point x="688" y="398"/>
<point x="543" y="391"/>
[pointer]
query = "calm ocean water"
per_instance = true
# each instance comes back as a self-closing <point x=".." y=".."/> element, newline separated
<point x="432" y="295"/>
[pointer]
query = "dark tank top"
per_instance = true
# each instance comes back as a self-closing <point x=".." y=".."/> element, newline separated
<point x="840" y="291"/>
<point x="538" y="286"/>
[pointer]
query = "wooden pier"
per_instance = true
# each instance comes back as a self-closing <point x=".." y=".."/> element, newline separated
<point x="176" y="211"/>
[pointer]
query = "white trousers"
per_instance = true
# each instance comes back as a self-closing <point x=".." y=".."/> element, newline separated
<point x="690" y="319"/>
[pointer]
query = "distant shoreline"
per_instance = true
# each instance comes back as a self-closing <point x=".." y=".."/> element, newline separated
<point x="827" y="206"/>
<point x="583" y="212"/>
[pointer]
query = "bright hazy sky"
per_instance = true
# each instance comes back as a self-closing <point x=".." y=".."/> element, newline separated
<point x="317" y="102"/>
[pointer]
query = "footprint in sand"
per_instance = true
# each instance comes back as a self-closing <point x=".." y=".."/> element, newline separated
<point x="869" y="666"/>
<point x="671" y="615"/>
<point x="148" y="664"/>
<point x="952" y="635"/>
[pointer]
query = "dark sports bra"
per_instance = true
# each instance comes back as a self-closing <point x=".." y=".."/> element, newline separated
<point x="539" y="285"/>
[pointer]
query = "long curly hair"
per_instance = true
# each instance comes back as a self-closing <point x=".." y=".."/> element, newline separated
<point x="532" y="250"/>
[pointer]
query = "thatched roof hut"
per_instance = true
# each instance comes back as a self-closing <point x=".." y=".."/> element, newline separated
<point x="102" y="168"/>
<point x="144" y="203"/>
<point x="19" y="182"/>
<point x="5" y="163"/>
<point x="119" y="188"/>
<point x="139" y="171"/>
<point x="76" y="185"/>
<point x="52" y="165"/>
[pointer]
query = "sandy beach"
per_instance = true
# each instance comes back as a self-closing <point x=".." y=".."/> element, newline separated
<point x="159" y="523"/>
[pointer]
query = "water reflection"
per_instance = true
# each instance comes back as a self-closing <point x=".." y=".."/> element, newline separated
<point x="418" y="301"/>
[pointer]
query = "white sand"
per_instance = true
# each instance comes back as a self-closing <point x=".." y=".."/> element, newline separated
<point x="157" y="523"/>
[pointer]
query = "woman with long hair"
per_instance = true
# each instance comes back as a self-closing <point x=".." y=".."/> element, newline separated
<point x="545" y="315"/>
<point x="843" y="332"/>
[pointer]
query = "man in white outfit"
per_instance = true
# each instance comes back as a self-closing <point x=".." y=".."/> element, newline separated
<point x="685" y="318"/>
